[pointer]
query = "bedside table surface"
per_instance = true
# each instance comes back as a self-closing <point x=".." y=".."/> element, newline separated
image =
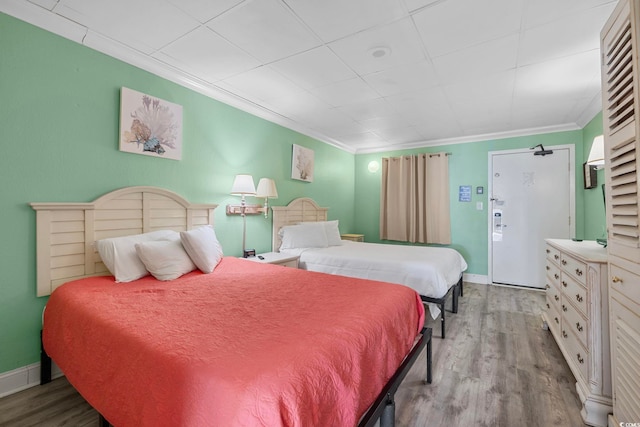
<point x="271" y="257"/>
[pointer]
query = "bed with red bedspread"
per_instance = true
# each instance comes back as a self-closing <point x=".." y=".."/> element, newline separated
<point x="249" y="344"/>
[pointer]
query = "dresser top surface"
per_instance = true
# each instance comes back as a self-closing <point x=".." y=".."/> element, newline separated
<point x="588" y="250"/>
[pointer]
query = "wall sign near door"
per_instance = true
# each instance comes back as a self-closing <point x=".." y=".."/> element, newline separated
<point x="464" y="193"/>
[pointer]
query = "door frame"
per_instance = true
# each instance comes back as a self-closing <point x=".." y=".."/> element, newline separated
<point x="572" y="194"/>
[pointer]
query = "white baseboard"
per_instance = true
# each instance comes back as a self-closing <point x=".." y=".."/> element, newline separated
<point x="24" y="378"/>
<point x="476" y="278"/>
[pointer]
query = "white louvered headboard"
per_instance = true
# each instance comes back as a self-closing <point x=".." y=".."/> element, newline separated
<point x="66" y="232"/>
<point x="299" y="210"/>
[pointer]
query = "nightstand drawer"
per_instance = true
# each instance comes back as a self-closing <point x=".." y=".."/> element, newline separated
<point x="353" y="237"/>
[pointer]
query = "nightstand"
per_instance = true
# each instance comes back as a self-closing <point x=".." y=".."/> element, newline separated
<point x="353" y="237"/>
<point x="286" y="260"/>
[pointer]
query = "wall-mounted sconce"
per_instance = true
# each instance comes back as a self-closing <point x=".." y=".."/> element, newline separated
<point x="596" y="155"/>
<point x="267" y="189"/>
<point x="594" y="162"/>
<point x="373" y="166"/>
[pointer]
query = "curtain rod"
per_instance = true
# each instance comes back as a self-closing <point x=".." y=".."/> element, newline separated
<point x="438" y="154"/>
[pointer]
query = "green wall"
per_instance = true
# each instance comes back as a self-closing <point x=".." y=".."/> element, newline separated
<point x="468" y="165"/>
<point x="59" y="136"/>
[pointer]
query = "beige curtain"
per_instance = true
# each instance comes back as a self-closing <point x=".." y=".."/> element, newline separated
<point x="414" y="199"/>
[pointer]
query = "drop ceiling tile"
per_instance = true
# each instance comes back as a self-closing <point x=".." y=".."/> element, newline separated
<point x="47" y="4"/>
<point x="314" y="68"/>
<point x="369" y="109"/>
<point x="400" y="135"/>
<point x="405" y="78"/>
<point x="413" y="5"/>
<point x="265" y="29"/>
<point x="544" y="11"/>
<point x="204" y="10"/>
<point x="145" y="25"/>
<point x="562" y="78"/>
<point x="206" y="55"/>
<point x="474" y="63"/>
<point x="562" y="37"/>
<point x="345" y="92"/>
<point x="263" y="83"/>
<point x="400" y="38"/>
<point x="365" y="140"/>
<point x="334" y="19"/>
<point x="456" y="24"/>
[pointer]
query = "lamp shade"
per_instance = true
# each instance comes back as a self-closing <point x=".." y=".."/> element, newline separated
<point x="596" y="155"/>
<point x="267" y="188"/>
<point x="243" y="185"/>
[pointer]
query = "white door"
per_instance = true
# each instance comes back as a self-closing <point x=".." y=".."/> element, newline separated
<point x="531" y="199"/>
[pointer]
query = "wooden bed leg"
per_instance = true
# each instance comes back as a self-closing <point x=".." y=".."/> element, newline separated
<point x="388" y="417"/>
<point x="103" y="422"/>
<point x="45" y="364"/>
<point x="461" y="287"/>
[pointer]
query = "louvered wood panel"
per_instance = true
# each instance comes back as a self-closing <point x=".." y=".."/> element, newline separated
<point x="620" y="110"/>
<point x="621" y="122"/>
<point x="626" y="326"/>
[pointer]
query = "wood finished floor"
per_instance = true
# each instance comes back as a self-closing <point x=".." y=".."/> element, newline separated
<point x="497" y="367"/>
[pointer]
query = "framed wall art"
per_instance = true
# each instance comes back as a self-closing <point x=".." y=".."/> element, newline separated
<point x="302" y="163"/>
<point x="149" y="125"/>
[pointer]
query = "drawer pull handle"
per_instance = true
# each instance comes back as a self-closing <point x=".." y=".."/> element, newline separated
<point x="564" y="307"/>
<point x="579" y="298"/>
<point x="547" y="286"/>
<point x="564" y="262"/>
<point x="578" y="272"/>
<point x="548" y="251"/>
<point x="548" y="268"/>
<point x="564" y="283"/>
<point x="616" y="279"/>
<point x="557" y="297"/>
<point x="564" y="333"/>
<point x="557" y="321"/>
<point x="580" y="359"/>
<point x="579" y="326"/>
<point x="548" y="306"/>
<point x="556" y="276"/>
<point x="556" y="256"/>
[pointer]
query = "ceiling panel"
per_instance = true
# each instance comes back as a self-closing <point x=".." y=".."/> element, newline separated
<point x="334" y="19"/>
<point x="147" y="25"/>
<point x="361" y="74"/>
<point x="221" y="60"/>
<point x="250" y="27"/>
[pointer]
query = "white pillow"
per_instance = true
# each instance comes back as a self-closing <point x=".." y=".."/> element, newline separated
<point x="203" y="247"/>
<point x="306" y="235"/>
<point x="331" y="231"/>
<point x="119" y="254"/>
<point x="165" y="259"/>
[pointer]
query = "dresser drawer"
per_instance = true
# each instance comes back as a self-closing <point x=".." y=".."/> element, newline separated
<point x="553" y="274"/>
<point x="575" y="292"/>
<point x="624" y="282"/>
<point x="577" y="355"/>
<point x="554" y="319"/>
<point x="572" y="319"/>
<point x="553" y="297"/>
<point x="553" y="254"/>
<point x="577" y="269"/>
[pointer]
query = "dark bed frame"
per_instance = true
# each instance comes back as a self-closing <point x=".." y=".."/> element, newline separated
<point x="383" y="407"/>
<point x="456" y="291"/>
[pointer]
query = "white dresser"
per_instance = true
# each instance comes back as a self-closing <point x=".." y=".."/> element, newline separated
<point x="577" y="314"/>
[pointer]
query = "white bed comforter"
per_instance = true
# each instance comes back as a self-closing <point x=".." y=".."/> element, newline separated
<point x="430" y="271"/>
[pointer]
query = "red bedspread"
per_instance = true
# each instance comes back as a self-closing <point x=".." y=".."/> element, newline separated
<point x="248" y="345"/>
